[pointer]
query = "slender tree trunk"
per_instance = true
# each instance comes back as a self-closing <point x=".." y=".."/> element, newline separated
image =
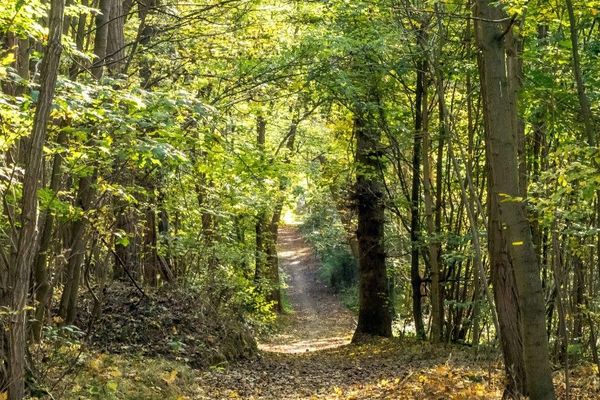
<point x="42" y="283"/>
<point x="76" y="251"/>
<point x="578" y="296"/>
<point x="115" y="45"/>
<point x="260" y="225"/>
<point x="415" y="274"/>
<point x="433" y="247"/>
<point x="101" y="38"/>
<point x="504" y="189"/>
<point x="22" y="260"/>
<point x="272" y="259"/>
<point x="584" y="102"/>
<point x="562" y="323"/>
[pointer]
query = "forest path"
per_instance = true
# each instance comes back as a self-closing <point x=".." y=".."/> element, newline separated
<point x="311" y="358"/>
<point x="317" y="319"/>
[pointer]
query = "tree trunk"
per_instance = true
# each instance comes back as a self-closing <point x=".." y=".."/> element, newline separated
<point x="115" y="46"/>
<point x="415" y="275"/>
<point x="374" y="317"/>
<point x="76" y="251"/>
<point x="101" y="38"/>
<point x="42" y="284"/>
<point x="433" y="247"/>
<point x="584" y="102"/>
<point x="504" y="189"/>
<point x="272" y="260"/>
<point x="21" y="262"/>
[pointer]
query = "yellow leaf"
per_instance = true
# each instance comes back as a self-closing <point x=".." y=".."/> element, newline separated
<point x="9" y="59"/>
<point x="4" y="396"/>
<point x="112" y="386"/>
<point x="518" y="243"/>
<point x="115" y="373"/>
<point x="170" y="377"/>
<point x="95" y="364"/>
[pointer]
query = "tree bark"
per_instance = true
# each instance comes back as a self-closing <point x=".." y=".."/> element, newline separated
<point x="115" y="46"/>
<point x="76" y="251"/>
<point x="374" y="316"/>
<point x="101" y="38"/>
<point x="22" y="258"/>
<point x="433" y="246"/>
<point x="501" y="147"/>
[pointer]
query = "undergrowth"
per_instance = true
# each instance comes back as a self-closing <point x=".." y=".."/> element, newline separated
<point x="338" y="268"/>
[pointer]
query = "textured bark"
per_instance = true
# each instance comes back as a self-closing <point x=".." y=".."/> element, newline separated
<point x="503" y="167"/>
<point x="115" y="46"/>
<point x="101" y="38"/>
<point x="507" y="304"/>
<point x="374" y="316"/>
<point x="22" y="258"/>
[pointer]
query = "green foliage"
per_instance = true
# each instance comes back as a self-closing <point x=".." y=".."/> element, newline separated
<point x="324" y="231"/>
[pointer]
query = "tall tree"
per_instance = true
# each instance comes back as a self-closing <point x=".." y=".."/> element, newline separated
<point x="492" y="29"/>
<point x="415" y="223"/>
<point x="20" y="266"/>
<point x="374" y="316"/>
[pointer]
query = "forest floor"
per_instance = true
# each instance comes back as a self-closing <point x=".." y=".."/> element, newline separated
<point x="311" y="358"/>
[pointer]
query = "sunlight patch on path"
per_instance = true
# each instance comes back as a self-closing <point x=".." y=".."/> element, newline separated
<point x="304" y="346"/>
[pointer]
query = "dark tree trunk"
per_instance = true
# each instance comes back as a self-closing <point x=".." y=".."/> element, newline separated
<point x="101" y="38"/>
<point x="415" y="229"/>
<point x="76" y="250"/>
<point x="374" y="316"/>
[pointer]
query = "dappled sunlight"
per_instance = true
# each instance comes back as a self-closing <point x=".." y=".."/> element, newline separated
<point x="290" y="217"/>
<point x="303" y="346"/>
<point x="380" y="369"/>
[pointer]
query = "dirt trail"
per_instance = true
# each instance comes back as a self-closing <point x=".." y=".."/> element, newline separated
<point x="311" y="357"/>
<point x="317" y="319"/>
